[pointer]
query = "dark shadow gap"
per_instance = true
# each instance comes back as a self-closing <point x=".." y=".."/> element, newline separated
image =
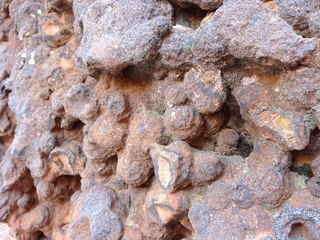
<point x="299" y="232"/>
<point x="189" y="17"/>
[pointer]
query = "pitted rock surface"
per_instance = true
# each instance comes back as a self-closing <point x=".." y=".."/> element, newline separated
<point x="159" y="119"/>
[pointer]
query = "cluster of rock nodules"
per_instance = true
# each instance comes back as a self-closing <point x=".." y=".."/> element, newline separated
<point x="118" y="123"/>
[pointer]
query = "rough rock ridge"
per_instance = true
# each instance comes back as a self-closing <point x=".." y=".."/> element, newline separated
<point x="159" y="119"/>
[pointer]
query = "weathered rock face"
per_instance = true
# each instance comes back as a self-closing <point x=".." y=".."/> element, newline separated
<point x="157" y="119"/>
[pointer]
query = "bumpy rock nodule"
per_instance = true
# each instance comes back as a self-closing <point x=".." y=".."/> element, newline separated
<point x="147" y="119"/>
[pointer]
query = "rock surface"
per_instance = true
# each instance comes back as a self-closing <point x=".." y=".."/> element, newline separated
<point x="159" y="119"/>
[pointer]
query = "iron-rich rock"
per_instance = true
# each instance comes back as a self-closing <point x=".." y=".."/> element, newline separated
<point x="159" y="120"/>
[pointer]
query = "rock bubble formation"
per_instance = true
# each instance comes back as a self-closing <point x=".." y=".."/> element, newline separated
<point x="159" y="119"/>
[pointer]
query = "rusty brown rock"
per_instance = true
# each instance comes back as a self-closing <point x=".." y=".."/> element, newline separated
<point x="270" y="153"/>
<point x="227" y="140"/>
<point x="19" y="11"/>
<point x="183" y="123"/>
<point x="281" y="125"/>
<point x="270" y="187"/>
<point x="37" y="217"/>
<point x="159" y="120"/>
<point x="108" y="134"/>
<point x="94" y="152"/>
<point x="122" y="45"/>
<point x="206" y="90"/>
<point x="213" y="123"/>
<point x="314" y="24"/>
<point x="218" y="37"/>
<point x="314" y="186"/>
<point x="52" y="30"/>
<point x="96" y="218"/>
<point x="80" y="103"/>
<point x="298" y="13"/>
<point x="117" y="104"/>
<point x="291" y="215"/>
<point x="66" y="159"/>
<point x="134" y="167"/>
<point x="176" y="95"/>
<point x="287" y="128"/>
<point x="178" y="165"/>
<point x="166" y="207"/>
<point x="301" y="87"/>
<point x="315" y="166"/>
<point x="134" y="163"/>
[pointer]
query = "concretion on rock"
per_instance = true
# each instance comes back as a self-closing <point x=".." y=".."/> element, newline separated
<point x="94" y="217"/>
<point x="183" y="123"/>
<point x="117" y="105"/>
<point x="159" y="119"/>
<point x="166" y="207"/>
<point x="227" y="140"/>
<point x="108" y="133"/>
<point x="178" y="165"/>
<point x="289" y="216"/>
<point x="52" y="30"/>
<point x="134" y="167"/>
<point x="67" y="159"/>
<point x="288" y="126"/>
<point x="283" y="126"/>
<point x="81" y="103"/>
<point x="123" y="45"/>
<point x="206" y="91"/>
<point x="176" y="50"/>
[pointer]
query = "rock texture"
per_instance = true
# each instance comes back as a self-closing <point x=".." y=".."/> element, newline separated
<point x="159" y="119"/>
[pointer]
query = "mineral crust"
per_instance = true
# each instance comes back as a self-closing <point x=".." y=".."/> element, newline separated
<point x="159" y="119"/>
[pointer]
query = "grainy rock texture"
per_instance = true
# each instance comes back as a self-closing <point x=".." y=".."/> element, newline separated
<point x="159" y="119"/>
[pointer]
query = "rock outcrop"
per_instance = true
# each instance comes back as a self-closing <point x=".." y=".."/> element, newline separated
<point x="159" y="119"/>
